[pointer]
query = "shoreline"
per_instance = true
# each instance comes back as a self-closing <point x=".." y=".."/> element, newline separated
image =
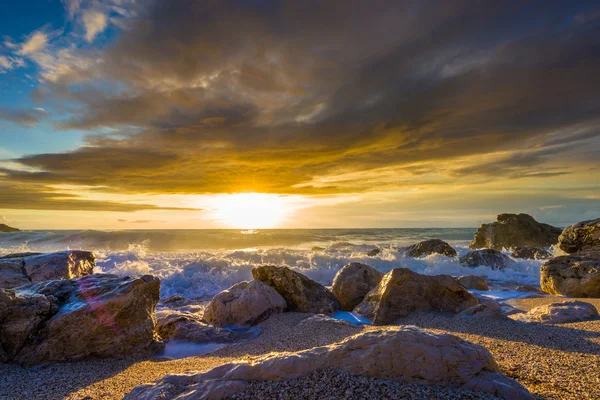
<point x="553" y="362"/>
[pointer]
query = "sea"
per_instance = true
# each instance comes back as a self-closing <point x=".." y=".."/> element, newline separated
<point x="197" y="264"/>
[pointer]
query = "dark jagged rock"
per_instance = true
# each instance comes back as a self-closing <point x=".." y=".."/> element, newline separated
<point x="373" y="252"/>
<point x="488" y="257"/>
<point x="402" y="291"/>
<point x="352" y="283"/>
<point x="96" y="316"/>
<point x="430" y="246"/>
<point x="582" y="237"/>
<point x="514" y="230"/>
<point x="531" y="253"/>
<point x="8" y="229"/>
<point x="300" y="293"/>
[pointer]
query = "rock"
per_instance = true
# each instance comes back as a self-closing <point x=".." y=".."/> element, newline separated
<point x="532" y="253"/>
<point x="8" y="229"/>
<point x="473" y="282"/>
<point x="353" y="282"/>
<point x="488" y="257"/>
<point x="406" y="354"/>
<point x="12" y="273"/>
<point x="317" y="248"/>
<point x="300" y="293"/>
<point x="429" y="247"/>
<point x="582" y="237"/>
<point x="96" y="316"/>
<point x="527" y="288"/>
<point x="559" y="313"/>
<point x="174" y="325"/>
<point x="514" y="230"/>
<point x="245" y="303"/>
<point x="21" y="268"/>
<point x="402" y="291"/>
<point x="373" y="252"/>
<point x="487" y="308"/>
<point x="20" y="255"/>
<point x="575" y="276"/>
<point x="174" y="299"/>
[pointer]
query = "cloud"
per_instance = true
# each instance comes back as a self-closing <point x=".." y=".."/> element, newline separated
<point x="7" y="63"/>
<point x="94" y="22"/>
<point x="35" y="42"/>
<point x="26" y="117"/>
<point x="314" y="98"/>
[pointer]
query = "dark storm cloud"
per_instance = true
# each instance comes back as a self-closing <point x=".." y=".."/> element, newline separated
<point x="273" y="96"/>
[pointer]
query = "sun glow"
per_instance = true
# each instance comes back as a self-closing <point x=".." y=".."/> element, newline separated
<point x="251" y="210"/>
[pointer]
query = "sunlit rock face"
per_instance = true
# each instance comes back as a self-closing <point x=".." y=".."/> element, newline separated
<point x="245" y="303"/>
<point x="300" y="293"/>
<point x="514" y="230"/>
<point x="96" y="316"/>
<point x="582" y="237"/>
<point x="473" y="282"/>
<point x="353" y="282"/>
<point x="487" y="257"/>
<point x="559" y="313"/>
<point x="573" y="275"/>
<point x="21" y="268"/>
<point x="431" y="246"/>
<point x="402" y="291"/>
<point x="406" y="354"/>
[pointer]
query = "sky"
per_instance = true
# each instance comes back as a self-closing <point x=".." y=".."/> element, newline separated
<point x="145" y="114"/>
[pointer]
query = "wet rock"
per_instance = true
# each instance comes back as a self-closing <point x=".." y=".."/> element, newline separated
<point x="373" y="252"/>
<point x="174" y="299"/>
<point x="300" y="293"/>
<point x="174" y="325"/>
<point x="582" y="237"/>
<point x="430" y="246"/>
<point x="559" y="313"/>
<point x="406" y="354"/>
<point x="531" y="253"/>
<point x="402" y="291"/>
<point x="575" y="276"/>
<point x="96" y="316"/>
<point x="473" y="282"/>
<point x="353" y="282"/>
<point x="527" y="288"/>
<point x="487" y="257"/>
<point x="514" y="230"/>
<point x="245" y="303"/>
<point x="21" y="268"/>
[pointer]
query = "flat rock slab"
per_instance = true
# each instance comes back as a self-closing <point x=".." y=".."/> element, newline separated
<point x="559" y="313"/>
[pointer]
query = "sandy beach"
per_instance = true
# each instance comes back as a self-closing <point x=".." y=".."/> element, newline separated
<point x="553" y="362"/>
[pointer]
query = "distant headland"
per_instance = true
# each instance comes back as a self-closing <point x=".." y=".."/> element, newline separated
<point x="6" y="228"/>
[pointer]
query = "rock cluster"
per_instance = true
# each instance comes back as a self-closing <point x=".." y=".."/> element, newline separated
<point x="531" y="253"/>
<point x="514" y="230"/>
<point x="402" y="291"/>
<point x="488" y="257"/>
<point x="95" y="316"/>
<point x="430" y="246"/>
<point x="578" y="274"/>
<point x="403" y="354"/>
<point x="300" y="293"/>
<point x="353" y="282"/>
<point x="22" y="268"/>
<point x="245" y="303"/>
<point x="559" y="313"/>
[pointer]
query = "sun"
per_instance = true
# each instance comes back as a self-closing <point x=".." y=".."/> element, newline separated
<point x="251" y="210"/>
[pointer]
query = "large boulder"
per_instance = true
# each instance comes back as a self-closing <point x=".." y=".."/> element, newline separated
<point x="353" y="282"/>
<point x="574" y="275"/>
<point x="531" y="253"/>
<point x="189" y="327"/>
<point x="582" y="237"/>
<point x="402" y="291"/>
<point x="514" y="230"/>
<point x="300" y="293"/>
<point x="559" y="313"/>
<point x="406" y="354"/>
<point x="245" y="303"/>
<point x="95" y="316"/>
<point x="430" y="246"/>
<point x="473" y="282"/>
<point x="487" y="257"/>
<point x="20" y="268"/>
